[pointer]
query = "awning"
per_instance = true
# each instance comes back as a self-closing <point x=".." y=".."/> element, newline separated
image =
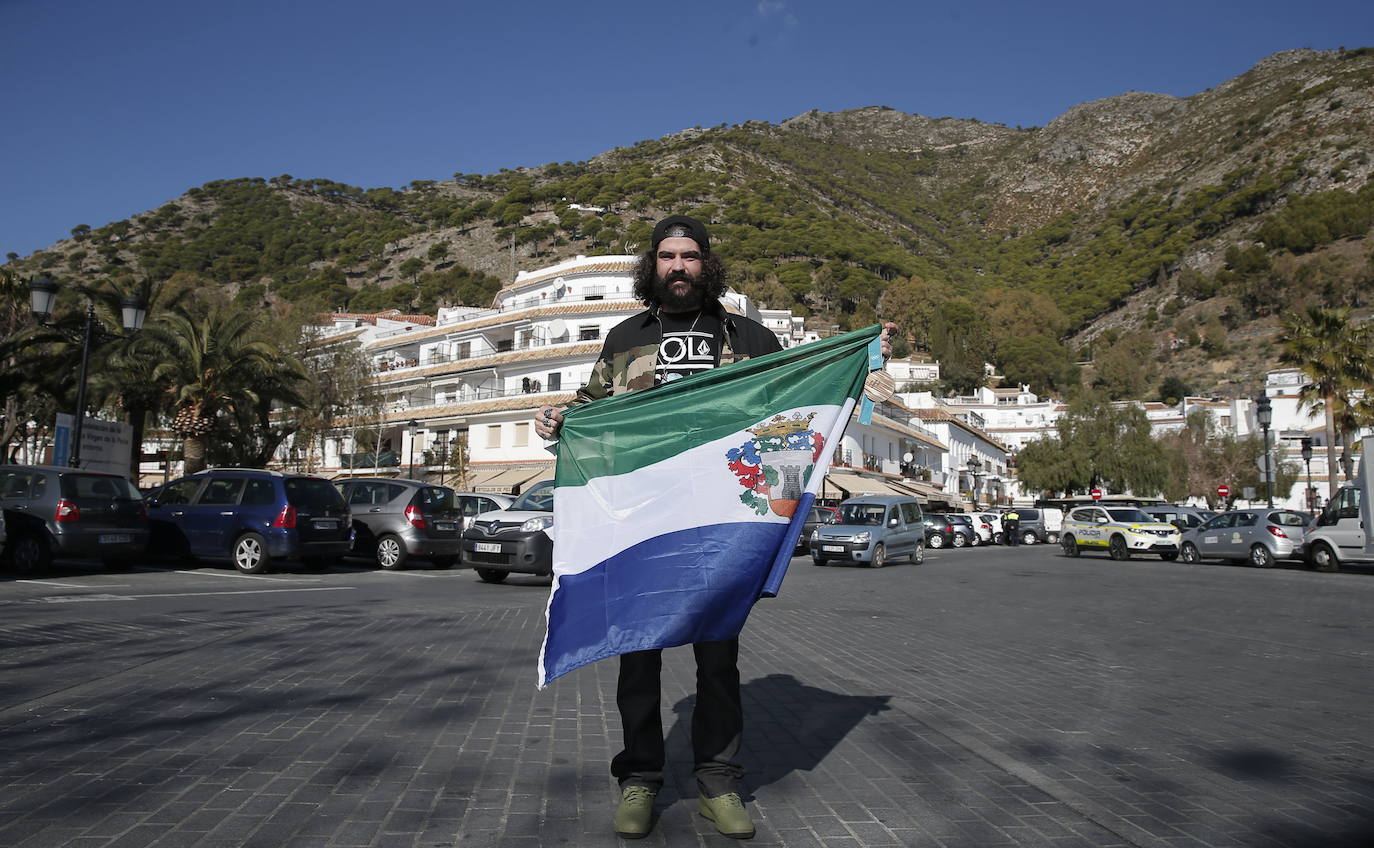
<point x="507" y="480"/>
<point x="924" y="491"/>
<point x="907" y="487"/>
<point x="854" y="485"/>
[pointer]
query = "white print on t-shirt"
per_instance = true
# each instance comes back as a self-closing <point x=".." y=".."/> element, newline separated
<point x="683" y="353"/>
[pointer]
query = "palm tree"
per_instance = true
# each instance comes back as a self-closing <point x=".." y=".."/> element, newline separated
<point x="1336" y="358"/>
<point x="212" y="363"/>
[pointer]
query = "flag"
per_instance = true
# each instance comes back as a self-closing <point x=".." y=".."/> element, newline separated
<point x="677" y="507"/>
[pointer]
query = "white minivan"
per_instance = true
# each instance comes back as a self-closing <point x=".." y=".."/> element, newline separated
<point x="1341" y="533"/>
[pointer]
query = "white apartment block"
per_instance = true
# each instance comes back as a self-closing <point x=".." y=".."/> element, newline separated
<point x="469" y="380"/>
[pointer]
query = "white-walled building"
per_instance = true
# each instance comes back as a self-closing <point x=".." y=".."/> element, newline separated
<point x="469" y="380"/>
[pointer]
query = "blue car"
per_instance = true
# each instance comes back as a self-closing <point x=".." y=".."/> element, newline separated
<point x="250" y="517"/>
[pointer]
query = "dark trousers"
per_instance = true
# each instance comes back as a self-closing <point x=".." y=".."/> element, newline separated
<point x="717" y="719"/>
<point x="1013" y="532"/>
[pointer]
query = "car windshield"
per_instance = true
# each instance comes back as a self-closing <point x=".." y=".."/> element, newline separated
<point x="537" y="499"/>
<point x="307" y="492"/>
<point x="861" y="513"/>
<point x="1133" y="516"/>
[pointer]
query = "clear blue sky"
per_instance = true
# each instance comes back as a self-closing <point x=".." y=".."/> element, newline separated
<point x="113" y="107"/>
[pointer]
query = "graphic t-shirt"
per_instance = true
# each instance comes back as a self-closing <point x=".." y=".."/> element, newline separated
<point x="691" y="343"/>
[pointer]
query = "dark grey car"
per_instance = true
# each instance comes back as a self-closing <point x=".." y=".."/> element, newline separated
<point x="395" y="520"/>
<point x="53" y="512"/>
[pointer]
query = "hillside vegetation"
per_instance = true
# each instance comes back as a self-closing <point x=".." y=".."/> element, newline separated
<point x="1148" y="234"/>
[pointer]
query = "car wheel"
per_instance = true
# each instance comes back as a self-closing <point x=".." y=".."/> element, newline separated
<point x="443" y="562"/>
<point x="1190" y="553"/>
<point x="1070" y="546"/>
<point x="250" y="554"/>
<point x="918" y="556"/>
<point x="1322" y="558"/>
<point x="391" y="552"/>
<point x="1051" y="538"/>
<point x="879" y="557"/>
<point x="815" y="560"/>
<point x="937" y="540"/>
<point x="30" y="554"/>
<point x="1117" y="548"/>
<point x="492" y="575"/>
<point x="999" y="538"/>
<point x="958" y="540"/>
<point x="1260" y="557"/>
<point x="1028" y="538"/>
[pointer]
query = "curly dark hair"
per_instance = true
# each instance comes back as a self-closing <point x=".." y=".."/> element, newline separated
<point x="712" y="274"/>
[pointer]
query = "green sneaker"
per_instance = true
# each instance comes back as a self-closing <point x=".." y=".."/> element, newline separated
<point x="728" y="812"/>
<point x="634" y="816"/>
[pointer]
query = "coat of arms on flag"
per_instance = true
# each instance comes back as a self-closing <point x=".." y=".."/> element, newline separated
<point x="678" y="507"/>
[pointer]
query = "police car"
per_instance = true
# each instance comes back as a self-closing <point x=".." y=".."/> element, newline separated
<point x="1118" y="530"/>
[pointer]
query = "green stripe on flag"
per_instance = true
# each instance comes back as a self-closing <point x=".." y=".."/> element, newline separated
<point x="624" y="432"/>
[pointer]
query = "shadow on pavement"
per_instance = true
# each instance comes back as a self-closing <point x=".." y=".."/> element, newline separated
<point x="788" y="726"/>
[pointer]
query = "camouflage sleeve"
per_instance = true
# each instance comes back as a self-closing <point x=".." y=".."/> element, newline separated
<point x="598" y="385"/>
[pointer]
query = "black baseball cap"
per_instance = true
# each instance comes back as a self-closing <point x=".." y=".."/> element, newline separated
<point x="681" y="226"/>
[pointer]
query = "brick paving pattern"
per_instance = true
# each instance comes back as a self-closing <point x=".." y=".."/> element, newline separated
<point x="1002" y="697"/>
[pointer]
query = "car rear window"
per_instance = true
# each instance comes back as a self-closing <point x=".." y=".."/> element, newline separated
<point x="433" y="497"/>
<point x="1028" y="514"/>
<point x="80" y="487"/>
<point x="307" y="492"/>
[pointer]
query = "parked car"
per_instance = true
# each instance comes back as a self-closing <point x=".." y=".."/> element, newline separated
<point x="939" y="532"/>
<point x="815" y="517"/>
<point x="1261" y="536"/>
<point x="52" y="512"/>
<point x="982" y="527"/>
<point x="960" y="533"/>
<point x="512" y="541"/>
<point x="1182" y="517"/>
<point x="473" y="504"/>
<point x="961" y="520"/>
<point x="994" y="521"/>
<point x="1120" y="531"/>
<point x="1040" y="524"/>
<point x="252" y="517"/>
<point x="395" y="520"/>
<point x="872" y="529"/>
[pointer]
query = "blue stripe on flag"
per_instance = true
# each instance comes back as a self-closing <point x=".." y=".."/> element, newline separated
<point x="674" y="589"/>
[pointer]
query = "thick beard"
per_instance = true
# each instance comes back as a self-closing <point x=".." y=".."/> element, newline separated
<point x="671" y="302"/>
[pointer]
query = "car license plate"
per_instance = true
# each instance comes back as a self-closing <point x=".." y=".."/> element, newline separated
<point x="115" y="538"/>
<point x="833" y="549"/>
<point x="486" y="547"/>
<point x="325" y="523"/>
<point x="444" y="525"/>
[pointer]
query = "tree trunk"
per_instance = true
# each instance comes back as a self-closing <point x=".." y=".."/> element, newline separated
<point x="1332" y="468"/>
<point x="193" y="454"/>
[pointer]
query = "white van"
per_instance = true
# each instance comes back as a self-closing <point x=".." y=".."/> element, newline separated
<point x="1341" y="533"/>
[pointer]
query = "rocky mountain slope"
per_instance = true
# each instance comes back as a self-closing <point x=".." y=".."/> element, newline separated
<point x="1135" y="214"/>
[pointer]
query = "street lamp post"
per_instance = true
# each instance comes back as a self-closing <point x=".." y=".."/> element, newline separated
<point x="1307" y="460"/>
<point x="413" y="425"/>
<point x="974" y="466"/>
<point x="1265" y="416"/>
<point x="42" y="298"/>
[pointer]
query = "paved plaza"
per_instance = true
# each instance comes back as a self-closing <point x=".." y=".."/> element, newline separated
<point x="988" y="698"/>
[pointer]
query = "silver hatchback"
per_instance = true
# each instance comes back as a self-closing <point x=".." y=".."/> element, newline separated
<point x="1260" y="536"/>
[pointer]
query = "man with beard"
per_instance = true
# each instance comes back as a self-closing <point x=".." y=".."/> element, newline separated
<point x="684" y="330"/>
